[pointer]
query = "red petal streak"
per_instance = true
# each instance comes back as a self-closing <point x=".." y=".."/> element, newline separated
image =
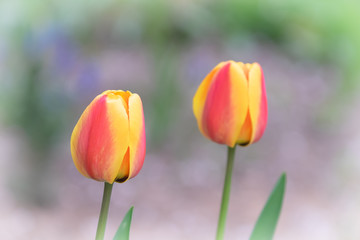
<point x="262" y="120"/>
<point x="95" y="148"/>
<point x="217" y="113"/>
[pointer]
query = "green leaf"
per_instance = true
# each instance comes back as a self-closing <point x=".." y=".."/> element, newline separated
<point x="123" y="231"/>
<point x="266" y="223"/>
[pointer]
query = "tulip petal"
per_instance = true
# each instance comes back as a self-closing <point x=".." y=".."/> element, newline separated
<point x="118" y="108"/>
<point x="124" y="169"/>
<point x="257" y="102"/>
<point x="79" y="144"/>
<point x="226" y="105"/>
<point x="95" y="145"/>
<point x="137" y="141"/>
<point x="201" y="94"/>
<point x="244" y="137"/>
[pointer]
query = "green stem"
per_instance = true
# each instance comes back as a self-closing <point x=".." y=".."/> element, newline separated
<point x="226" y="194"/>
<point x="100" y="232"/>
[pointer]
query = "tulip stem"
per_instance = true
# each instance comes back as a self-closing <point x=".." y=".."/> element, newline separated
<point x="226" y="194"/>
<point x="100" y="232"/>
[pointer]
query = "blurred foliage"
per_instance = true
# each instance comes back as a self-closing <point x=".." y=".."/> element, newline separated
<point x="324" y="32"/>
<point x="40" y="111"/>
<point x="165" y="100"/>
<point x="45" y="48"/>
<point x="321" y="31"/>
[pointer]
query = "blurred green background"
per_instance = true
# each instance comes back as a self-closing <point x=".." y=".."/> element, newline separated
<point x="56" y="56"/>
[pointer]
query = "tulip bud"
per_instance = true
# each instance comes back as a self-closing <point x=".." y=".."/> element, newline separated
<point x="230" y="104"/>
<point x="108" y="142"/>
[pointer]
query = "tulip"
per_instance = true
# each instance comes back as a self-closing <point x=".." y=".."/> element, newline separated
<point x="230" y="104"/>
<point x="108" y="142"/>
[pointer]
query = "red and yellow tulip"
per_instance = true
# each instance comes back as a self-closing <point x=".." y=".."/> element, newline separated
<point x="108" y="142"/>
<point x="230" y="104"/>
